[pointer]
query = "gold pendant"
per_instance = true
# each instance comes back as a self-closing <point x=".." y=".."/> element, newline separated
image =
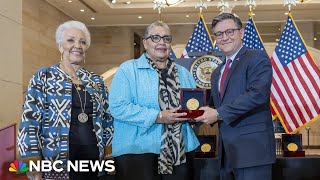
<point x="78" y="88"/>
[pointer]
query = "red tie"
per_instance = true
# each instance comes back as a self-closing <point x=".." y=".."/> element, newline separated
<point x="224" y="75"/>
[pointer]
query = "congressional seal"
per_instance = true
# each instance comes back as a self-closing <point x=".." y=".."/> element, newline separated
<point x="202" y="69"/>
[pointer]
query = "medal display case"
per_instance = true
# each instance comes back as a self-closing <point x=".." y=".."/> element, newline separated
<point x="191" y="100"/>
<point x="207" y="146"/>
<point x="292" y="145"/>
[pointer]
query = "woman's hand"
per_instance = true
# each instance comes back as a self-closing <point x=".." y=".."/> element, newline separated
<point x="170" y="116"/>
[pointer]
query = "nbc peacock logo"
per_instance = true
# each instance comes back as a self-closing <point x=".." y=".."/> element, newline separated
<point x="18" y="166"/>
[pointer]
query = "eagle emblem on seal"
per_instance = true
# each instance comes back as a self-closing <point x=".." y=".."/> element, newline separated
<point x="202" y="68"/>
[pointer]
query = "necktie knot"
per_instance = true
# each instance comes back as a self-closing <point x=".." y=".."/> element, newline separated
<point x="228" y="63"/>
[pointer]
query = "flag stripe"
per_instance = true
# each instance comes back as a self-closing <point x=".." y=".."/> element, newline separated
<point x="307" y="89"/>
<point x="284" y="96"/>
<point x="281" y="111"/>
<point x="312" y="72"/>
<point x="280" y="77"/>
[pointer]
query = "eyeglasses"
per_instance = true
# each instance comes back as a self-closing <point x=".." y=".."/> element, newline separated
<point x="228" y="32"/>
<point x="157" y="38"/>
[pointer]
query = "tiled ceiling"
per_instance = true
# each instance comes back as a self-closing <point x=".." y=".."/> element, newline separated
<point x="123" y="14"/>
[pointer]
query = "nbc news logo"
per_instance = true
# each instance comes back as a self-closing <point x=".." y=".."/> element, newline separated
<point x="18" y="166"/>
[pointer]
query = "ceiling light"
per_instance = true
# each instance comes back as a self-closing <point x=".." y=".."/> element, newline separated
<point x="315" y="39"/>
<point x="128" y="2"/>
<point x="113" y="1"/>
<point x="286" y="13"/>
<point x="187" y="16"/>
<point x="173" y="2"/>
<point x="139" y="17"/>
<point x="82" y="10"/>
<point x="209" y="0"/>
<point x="279" y="29"/>
<point x="93" y="18"/>
<point x="69" y="1"/>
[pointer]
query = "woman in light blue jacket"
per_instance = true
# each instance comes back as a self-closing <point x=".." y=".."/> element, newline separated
<point x="150" y="140"/>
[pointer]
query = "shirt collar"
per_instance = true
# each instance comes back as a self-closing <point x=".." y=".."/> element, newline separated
<point x="234" y="55"/>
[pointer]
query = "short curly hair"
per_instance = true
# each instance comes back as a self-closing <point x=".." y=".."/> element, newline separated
<point x="72" y="24"/>
<point x="155" y="24"/>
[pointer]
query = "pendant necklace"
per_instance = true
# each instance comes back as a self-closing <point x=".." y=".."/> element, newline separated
<point x="82" y="117"/>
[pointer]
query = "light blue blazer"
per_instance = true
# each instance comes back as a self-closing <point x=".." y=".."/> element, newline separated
<point x="133" y="101"/>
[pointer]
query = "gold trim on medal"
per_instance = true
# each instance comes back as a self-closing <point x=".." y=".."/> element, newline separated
<point x="193" y="104"/>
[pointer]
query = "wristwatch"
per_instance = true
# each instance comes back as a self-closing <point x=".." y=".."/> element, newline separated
<point x="218" y="116"/>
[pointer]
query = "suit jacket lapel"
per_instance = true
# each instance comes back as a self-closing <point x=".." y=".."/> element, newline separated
<point x="235" y="63"/>
<point x="215" y="82"/>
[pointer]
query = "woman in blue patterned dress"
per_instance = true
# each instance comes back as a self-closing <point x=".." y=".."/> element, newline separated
<point x="65" y="114"/>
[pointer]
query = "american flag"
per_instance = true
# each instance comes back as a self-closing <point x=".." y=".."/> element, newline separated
<point x="216" y="48"/>
<point x="252" y="40"/>
<point x="295" y="86"/>
<point x="172" y="55"/>
<point x="200" y="41"/>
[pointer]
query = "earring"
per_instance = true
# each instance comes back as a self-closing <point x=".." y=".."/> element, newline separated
<point x="61" y="57"/>
<point x="84" y="61"/>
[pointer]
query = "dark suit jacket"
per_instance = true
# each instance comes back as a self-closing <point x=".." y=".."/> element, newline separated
<point x="246" y="130"/>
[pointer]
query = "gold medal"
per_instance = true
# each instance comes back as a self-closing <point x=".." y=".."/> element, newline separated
<point x="292" y="147"/>
<point x="205" y="147"/>
<point x="192" y="104"/>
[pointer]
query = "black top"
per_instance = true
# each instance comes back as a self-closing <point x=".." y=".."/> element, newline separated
<point x="81" y="133"/>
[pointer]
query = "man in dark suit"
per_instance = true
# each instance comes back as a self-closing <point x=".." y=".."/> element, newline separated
<point x="240" y="91"/>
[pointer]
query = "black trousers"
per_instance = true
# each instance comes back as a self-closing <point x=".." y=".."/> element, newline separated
<point x="145" y="167"/>
<point x="83" y="152"/>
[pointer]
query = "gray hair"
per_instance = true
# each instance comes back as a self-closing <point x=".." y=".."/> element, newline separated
<point x="224" y="16"/>
<point x="156" y="24"/>
<point x="72" y="24"/>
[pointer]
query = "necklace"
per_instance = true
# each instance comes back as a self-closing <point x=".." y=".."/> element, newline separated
<point x="77" y="87"/>
<point x="82" y="117"/>
<point x="74" y="78"/>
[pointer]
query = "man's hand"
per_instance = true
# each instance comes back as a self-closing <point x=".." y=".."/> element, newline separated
<point x="209" y="116"/>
